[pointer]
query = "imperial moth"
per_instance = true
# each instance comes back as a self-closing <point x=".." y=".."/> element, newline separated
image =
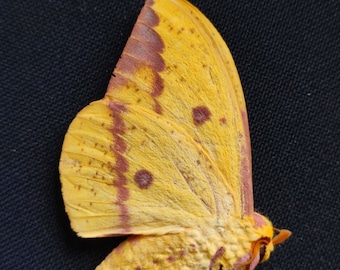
<point x="165" y="156"/>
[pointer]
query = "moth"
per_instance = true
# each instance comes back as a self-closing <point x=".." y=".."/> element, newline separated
<point x="164" y="156"/>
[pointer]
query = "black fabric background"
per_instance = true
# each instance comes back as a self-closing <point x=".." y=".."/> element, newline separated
<point x="56" y="56"/>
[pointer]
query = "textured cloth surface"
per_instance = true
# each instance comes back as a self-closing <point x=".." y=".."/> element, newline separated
<point x="56" y="56"/>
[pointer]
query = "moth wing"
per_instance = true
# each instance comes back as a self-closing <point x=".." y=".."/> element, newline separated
<point x="177" y="64"/>
<point x="128" y="170"/>
<point x="176" y="76"/>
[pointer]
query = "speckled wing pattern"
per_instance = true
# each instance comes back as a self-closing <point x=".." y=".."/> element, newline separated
<point x="169" y="131"/>
<point x="167" y="149"/>
<point x="176" y="64"/>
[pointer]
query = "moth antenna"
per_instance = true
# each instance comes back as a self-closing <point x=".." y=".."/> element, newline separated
<point x="281" y="236"/>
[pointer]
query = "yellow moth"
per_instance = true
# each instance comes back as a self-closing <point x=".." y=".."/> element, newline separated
<point x="165" y="155"/>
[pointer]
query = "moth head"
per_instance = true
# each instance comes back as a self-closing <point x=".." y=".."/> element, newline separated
<point x="265" y="237"/>
<point x="264" y="246"/>
<point x="268" y="237"/>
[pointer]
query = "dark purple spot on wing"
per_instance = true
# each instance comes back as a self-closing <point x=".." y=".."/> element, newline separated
<point x="171" y="259"/>
<point x="143" y="178"/>
<point x="223" y="121"/>
<point x="200" y="114"/>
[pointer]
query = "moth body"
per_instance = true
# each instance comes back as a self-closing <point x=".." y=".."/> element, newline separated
<point x="211" y="246"/>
